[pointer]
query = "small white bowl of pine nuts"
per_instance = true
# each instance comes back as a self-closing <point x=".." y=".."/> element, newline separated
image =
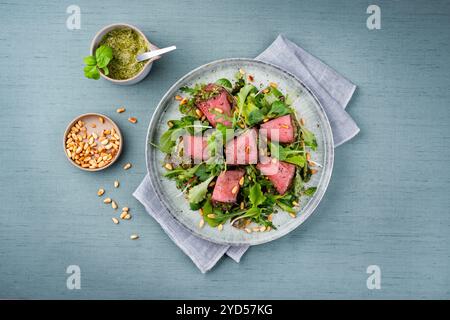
<point x="92" y="142"/>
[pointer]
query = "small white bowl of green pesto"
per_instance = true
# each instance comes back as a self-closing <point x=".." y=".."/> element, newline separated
<point x="126" y="42"/>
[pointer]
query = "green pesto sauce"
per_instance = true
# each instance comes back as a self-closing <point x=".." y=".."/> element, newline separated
<point x="126" y="44"/>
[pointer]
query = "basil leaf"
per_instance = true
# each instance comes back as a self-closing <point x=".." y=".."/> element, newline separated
<point x="91" y="72"/>
<point x="106" y="70"/>
<point x="103" y="55"/>
<point x="90" y="61"/>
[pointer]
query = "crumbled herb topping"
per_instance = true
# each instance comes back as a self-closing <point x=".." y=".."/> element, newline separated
<point x="126" y="45"/>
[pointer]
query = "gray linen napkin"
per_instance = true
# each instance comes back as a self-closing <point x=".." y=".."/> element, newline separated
<point x="334" y="93"/>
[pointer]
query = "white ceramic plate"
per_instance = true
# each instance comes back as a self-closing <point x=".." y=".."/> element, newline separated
<point x="307" y="107"/>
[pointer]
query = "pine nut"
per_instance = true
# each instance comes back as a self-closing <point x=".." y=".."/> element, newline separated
<point x="168" y="166"/>
<point x="293" y="215"/>
<point x="234" y="190"/>
<point x="114" y="205"/>
<point x="122" y="215"/>
<point x="115" y="220"/>
<point x="201" y="223"/>
<point x="220" y="227"/>
<point x="107" y="200"/>
<point x="211" y="215"/>
<point x="100" y="192"/>
<point x="127" y="166"/>
<point x="116" y="184"/>
<point x="126" y="209"/>
<point x="120" y="110"/>
<point x="101" y="119"/>
<point x="248" y="230"/>
<point x="132" y="119"/>
<point x="134" y="237"/>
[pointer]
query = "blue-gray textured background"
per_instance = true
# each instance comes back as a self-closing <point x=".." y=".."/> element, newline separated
<point x="387" y="204"/>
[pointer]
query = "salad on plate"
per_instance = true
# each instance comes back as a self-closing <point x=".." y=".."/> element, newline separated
<point x="239" y="153"/>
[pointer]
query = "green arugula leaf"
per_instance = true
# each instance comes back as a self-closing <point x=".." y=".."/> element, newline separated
<point x="278" y="109"/>
<point x="252" y="213"/>
<point x="182" y="173"/>
<point x="256" y="196"/>
<point x="309" y="138"/>
<point x="185" y="125"/>
<point x="297" y="160"/>
<point x="227" y="133"/>
<point x="198" y="192"/>
<point x="310" y="191"/>
<point x="298" y="182"/>
<point x="195" y="206"/>
<point x="285" y="207"/>
<point x="224" y="83"/>
<point x="166" y="142"/>
<point x="286" y="154"/>
<point x="194" y="90"/>
<point x="243" y="93"/>
<point x="255" y="116"/>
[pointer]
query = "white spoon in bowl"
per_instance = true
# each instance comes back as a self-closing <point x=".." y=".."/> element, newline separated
<point x="151" y="54"/>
